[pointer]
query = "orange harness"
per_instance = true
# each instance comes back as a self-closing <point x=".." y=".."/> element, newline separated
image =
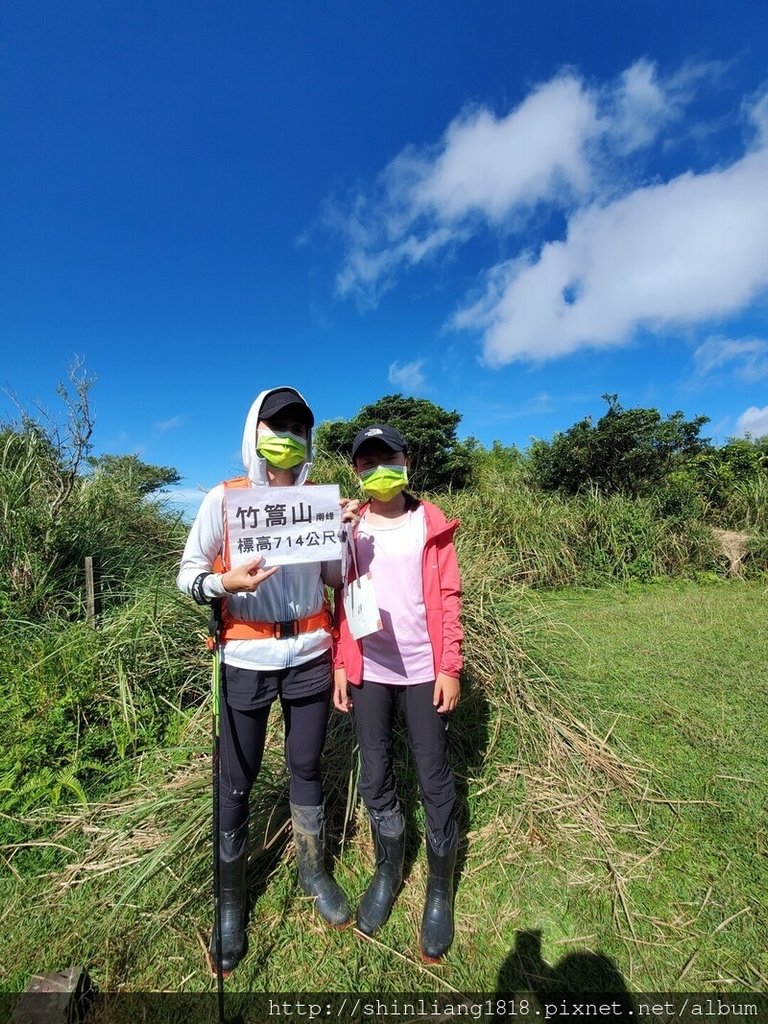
<point x="243" y="629"/>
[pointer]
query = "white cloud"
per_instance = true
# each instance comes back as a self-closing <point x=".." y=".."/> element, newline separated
<point x="753" y="421"/>
<point x="641" y="106"/>
<point x="682" y="252"/>
<point x="172" y="424"/>
<point x="662" y="254"/>
<point x="490" y="165"/>
<point x="747" y="358"/>
<point x="552" y="148"/>
<point x="642" y="103"/>
<point x="757" y="113"/>
<point x="408" y="377"/>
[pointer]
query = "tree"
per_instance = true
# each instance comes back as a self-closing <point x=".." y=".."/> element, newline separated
<point x="721" y="471"/>
<point x="130" y="472"/>
<point x="52" y="515"/>
<point x="438" y="459"/>
<point x="628" y="451"/>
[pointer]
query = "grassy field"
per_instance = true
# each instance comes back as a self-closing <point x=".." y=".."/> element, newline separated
<point x="676" y="674"/>
<point x="614" y="786"/>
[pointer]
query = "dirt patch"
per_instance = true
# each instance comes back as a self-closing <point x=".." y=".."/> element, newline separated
<point x="733" y="545"/>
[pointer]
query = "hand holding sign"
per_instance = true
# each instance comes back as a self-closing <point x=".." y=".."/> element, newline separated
<point x="284" y="525"/>
<point x="246" y="578"/>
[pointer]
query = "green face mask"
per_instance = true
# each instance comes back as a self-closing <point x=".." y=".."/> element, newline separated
<point x="384" y="482"/>
<point x="283" y="450"/>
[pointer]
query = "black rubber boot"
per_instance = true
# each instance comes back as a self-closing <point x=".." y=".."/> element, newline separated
<point x="437" y="922"/>
<point x="233" y="853"/>
<point x="330" y="900"/>
<point x="376" y="903"/>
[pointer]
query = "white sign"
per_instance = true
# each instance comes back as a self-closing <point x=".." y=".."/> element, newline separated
<point x="359" y="597"/>
<point x="283" y="524"/>
<point x="361" y="608"/>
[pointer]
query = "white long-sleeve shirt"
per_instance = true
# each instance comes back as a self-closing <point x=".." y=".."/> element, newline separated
<point x="294" y="592"/>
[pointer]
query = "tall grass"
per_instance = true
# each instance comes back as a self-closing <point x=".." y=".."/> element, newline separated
<point x="106" y="779"/>
<point x="517" y="745"/>
<point x="551" y="541"/>
<point x="747" y="507"/>
<point x="76" y="700"/>
<point x="79" y="702"/>
<point x="49" y="524"/>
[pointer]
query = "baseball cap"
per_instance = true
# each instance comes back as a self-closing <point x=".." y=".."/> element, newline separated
<point x="380" y="432"/>
<point x="283" y="399"/>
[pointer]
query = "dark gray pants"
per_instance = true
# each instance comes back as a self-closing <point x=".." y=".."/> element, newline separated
<point x="375" y="705"/>
<point x="304" y="693"/>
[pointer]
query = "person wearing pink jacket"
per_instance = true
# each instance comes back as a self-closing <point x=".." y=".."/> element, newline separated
<point x="412" y="662"/>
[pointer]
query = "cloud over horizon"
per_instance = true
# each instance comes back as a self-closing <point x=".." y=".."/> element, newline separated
<point x="753" y="421"/>
<point x="408" y="377"/>
<point x="747" y="358"/>
<point x="634" y="254"/>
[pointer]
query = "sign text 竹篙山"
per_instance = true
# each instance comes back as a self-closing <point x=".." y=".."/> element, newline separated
<point x="283" y="524"/>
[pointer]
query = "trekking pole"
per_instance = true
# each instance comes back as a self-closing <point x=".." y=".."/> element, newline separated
<point x="213" y="640"/>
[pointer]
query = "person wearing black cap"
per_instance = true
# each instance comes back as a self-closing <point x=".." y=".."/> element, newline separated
<point x="412" y="662"/>
<point x="260" y="664"/>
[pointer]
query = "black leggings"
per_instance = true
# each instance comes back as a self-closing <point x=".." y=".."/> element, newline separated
<point x="242" y="747"/>
<point x="375" y="705"/>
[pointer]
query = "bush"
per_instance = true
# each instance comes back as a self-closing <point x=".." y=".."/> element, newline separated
<point x="679" y="497"/>
<point x="628" y="451"/>
<point x="439" y="461"/>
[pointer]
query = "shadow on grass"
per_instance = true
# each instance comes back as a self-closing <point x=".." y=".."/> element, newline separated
<point x="574" y="975"/>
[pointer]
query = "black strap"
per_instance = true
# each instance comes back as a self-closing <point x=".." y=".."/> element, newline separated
<point x="198" y="594"/>
<point x="215" y="622"/>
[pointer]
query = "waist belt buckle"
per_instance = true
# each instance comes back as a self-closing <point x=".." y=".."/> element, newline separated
<point x="288" y="628"/>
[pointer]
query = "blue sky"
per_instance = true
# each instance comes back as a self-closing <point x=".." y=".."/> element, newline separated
<point x="507" y="208"/>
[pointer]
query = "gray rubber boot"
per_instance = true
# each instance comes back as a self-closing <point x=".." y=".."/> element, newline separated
<point x="233" y="853"/>
<point x="308" y="835"/>
<point x="437" y="922"/>
<point x="378" y="899"/>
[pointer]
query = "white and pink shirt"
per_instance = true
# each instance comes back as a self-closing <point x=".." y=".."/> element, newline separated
<point x="401" y="652"/>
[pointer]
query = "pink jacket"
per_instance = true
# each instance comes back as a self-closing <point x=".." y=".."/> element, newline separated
<point x="442" y="599"/>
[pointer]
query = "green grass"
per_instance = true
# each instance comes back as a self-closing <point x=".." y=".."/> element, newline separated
<point x="676" y="673"/>
<point x="607" y="749"/>
<point x="640" y="861"/>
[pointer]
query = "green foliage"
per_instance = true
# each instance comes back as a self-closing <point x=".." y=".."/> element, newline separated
<point x="679" y="497"/>
<point x="628" y="451"/>
<point x="609" y="783"/>
<point x="88" y="712"/>
<point x="733" y="481"/>
<point x="439" y="461"/>
<point x="129" y="472"/>
<point x="52" y="516"/>
<point x="554" y="540"/>
<point x="498" y="466"/>
<point x="80" y="703"/>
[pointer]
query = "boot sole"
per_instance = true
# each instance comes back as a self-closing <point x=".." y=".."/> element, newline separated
<point x="431" y="959"/>
<point x="214" y="972"/>
<point x="331" y="924"/>
<point x="338" y="927"/>
<point x="359" y="930"/>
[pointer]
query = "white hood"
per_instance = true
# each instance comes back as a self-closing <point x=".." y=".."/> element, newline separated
<point x="255" y="466"/>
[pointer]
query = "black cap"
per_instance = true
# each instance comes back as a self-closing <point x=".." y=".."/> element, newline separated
<point x="281" y="400"/>
<point x="380" y="432"/>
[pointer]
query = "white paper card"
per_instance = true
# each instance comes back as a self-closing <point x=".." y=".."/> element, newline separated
<point x="361" y="607"/>
<point x="283" y="524"/>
